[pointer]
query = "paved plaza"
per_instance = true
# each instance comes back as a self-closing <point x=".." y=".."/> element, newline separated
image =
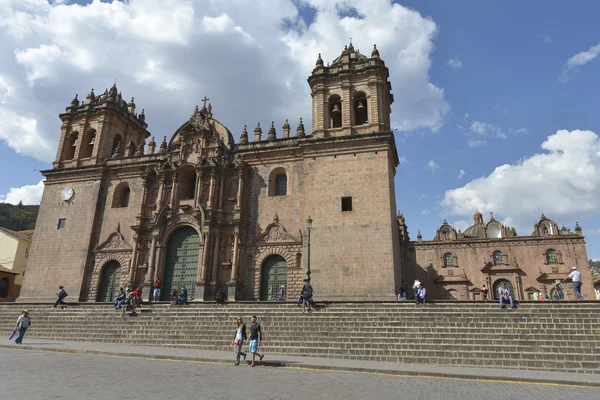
<point x="30" y="375"/>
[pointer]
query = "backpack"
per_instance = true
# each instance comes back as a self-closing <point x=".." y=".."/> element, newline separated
<point x="62" y="294"/>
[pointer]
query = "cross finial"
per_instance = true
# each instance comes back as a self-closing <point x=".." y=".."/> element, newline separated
<point x="204" y="100"/>
<point x="350" y="39"/>
<point x="491" y="214"/>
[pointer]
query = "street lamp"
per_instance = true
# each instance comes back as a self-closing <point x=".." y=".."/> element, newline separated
<point x="308" y="227"/>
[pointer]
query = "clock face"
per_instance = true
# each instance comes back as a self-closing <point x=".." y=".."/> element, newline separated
<point x="67" y="194"/>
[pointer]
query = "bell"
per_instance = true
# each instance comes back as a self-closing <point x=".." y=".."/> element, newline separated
<point x="92" y="141"/>
<point x="336" y="109"/>
<point x="360" y="106"/>
<point x="74" y="144"/>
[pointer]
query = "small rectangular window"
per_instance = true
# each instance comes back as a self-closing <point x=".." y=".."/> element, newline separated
<point x="346" y="203"/>
<point x="61" y="223"/>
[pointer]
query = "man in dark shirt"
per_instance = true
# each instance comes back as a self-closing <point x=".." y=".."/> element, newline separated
<point x="255" y="339"/>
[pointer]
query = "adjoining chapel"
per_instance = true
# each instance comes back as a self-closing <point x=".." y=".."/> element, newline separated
<point x="201" y="211"/>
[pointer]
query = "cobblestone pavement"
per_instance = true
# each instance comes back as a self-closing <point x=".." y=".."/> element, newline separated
<point x="35" y="375"/>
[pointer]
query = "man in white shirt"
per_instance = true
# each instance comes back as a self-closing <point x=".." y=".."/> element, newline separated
<point x="575" y="276"/>
<point x="504" y="295"/>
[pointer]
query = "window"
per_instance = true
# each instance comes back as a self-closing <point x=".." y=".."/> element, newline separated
<point x="87" y="146"/>
<point x="62" y="223"/>
<point x="346" y="203"/>
<point x="71" y="146"/>
<point x="281" y="185"/>
<point x="551" y="257"/>
<point x="4" y="285"/>
<point x="335" y="111"/>
<point x="448" y="260"/>
<point x="187" y="183"/>
<point x="121" y="195"/>
<point x="498" y="258"/>
<point x="360" y="109"/>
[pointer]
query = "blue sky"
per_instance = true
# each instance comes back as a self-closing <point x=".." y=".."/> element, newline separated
<point x="478" y="85"/>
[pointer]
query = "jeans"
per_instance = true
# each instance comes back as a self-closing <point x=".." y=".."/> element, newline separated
<point x="577" y="288"/>
<point x="119" y="303"/>
<point x="238" y="351"/>
<point x="59" y="301"/>
<point x="421" y="299"/>
<point x="510" y="299"/>
<point x="21" y="334"/>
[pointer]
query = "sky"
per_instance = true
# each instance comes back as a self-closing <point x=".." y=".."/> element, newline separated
<point x="495" y="102"/>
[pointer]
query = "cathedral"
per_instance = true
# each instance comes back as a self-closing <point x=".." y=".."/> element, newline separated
<point x="204" y="213"/>
<point x="200" y="211"/>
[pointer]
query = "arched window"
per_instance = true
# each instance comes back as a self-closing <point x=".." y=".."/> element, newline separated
<point x="498" y="258"/>
<point x="335" y="111"/>
<point x="121" y="195"/>
<point x="187" y="183"/>
<point x="360" y="109"/>
<point x="551" y="257"/>
<point x="448" y="260"/>
<point x="71" y="146"/>
<point x="281" y="185"/>
<point x="4" y="286"/>
<point x="117" y="144"/>
<point x="87" y="145"/>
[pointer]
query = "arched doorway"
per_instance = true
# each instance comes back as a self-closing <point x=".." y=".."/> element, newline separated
<point x="273" y="276"/>
<point x="498" y="283"/>
<point x="181" y="264"/>
<point x="111" y="279"/>
<point x="4" y="285"/>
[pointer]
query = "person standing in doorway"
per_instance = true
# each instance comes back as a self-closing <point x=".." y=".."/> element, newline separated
<point x="255" y="339"/>
<point x="23" y="322"/>
<point x="157" y="286"/>
<point x="575" y="276"/>
<point x="61" y="296"/>
<point x="239" y="339"/>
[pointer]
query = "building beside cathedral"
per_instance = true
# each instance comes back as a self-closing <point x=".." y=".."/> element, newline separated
<point x="203" y="212"/>
<point x="455" y="265"/>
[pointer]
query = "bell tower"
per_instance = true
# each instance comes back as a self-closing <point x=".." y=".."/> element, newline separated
<point x="98" y="128"/>
<point x="352" y="95"/>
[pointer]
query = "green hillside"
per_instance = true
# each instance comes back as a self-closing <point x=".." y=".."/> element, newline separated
<point x="19" y="217"/>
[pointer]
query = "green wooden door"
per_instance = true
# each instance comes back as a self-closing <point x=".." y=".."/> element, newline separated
<point x="274" y="275"/>
<point x="111" y="279"/>
<point x="181" y="264"/>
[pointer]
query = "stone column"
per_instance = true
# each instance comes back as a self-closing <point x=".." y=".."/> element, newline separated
<point x="198" y="188"/>
<point x="373" y="103"/>
<point x="221" y="189"/>
<point x="133" y="262"/>
<point x="238" y="205"/>
<point x="211" y="190"/>
<point x="200" y="280"/>
<point x="144" y="196"/>
<point x="232" y="284"/>
<point x="161" y="191"/>
<point x="346" y="105"/>
<point x="174" y="190"/>
<point x="215" y="264"/>
<point x="518" y="288"/>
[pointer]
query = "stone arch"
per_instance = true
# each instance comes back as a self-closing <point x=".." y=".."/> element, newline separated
<point x="175" y="227"/>
<point x="360" y="109"/>
<point x="498" y="257"/>
<point x="121" y="195"/>
<point x="449" y="259"/>
<point x="71" y="146"/>
<point x="288" y="256"/>
<point x="273" y="275"/>
<point x="87" y="144"/>
<point x="102" y="281"/>
<point x="498" y="283"/>
<point x="181" y="261"/>
<point x="334" y="103"/>
<point x="101" y="259"/>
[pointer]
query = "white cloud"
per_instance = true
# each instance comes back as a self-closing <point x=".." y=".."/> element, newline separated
<point x="403" y="160"/>
<point x="28" y="194"/>
<point x="455" y="63"/>
<point x="425" y="211"/>
<point x="251" y="58"/>
<point x="476" y="143"/>
<point x="461" y="174"/>
<point x="488" y="130"/>
<point x="22" y="135"/>
<point x="466" y="117"/>
<point x="563" y="181"/>
<point x="519" y="131"/>
<point x="579" y="60"/>
<point x="432" y="166"/>
<point x="5" y="90"/>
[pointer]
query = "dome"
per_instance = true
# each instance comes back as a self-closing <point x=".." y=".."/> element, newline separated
<point x="477" y="215"/>
<point x="476" y="231"/>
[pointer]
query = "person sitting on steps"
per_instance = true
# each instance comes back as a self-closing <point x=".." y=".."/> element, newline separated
<point x="421" y="294"/>
<point x="220" y="297"/>
<point x="504" y="295"/>
<point x="182" y="299"/>
<point x="120" y="299"/>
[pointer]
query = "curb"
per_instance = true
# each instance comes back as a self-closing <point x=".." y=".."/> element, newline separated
<point x="308" y="366"/>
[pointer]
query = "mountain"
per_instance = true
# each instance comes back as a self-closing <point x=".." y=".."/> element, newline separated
<point x="19" y="217"/>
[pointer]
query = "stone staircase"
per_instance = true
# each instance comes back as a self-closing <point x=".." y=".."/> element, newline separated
<point x="553" y="336"/>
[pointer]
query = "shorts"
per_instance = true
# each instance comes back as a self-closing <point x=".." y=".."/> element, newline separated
<point x="156" y="293"/>
<point x="253" y="347"/>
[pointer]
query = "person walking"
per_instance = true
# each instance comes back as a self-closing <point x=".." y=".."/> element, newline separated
<point x="255" y="339"/>
<point x="239" y="339"/>
<point x="23" y="322"/>
<point x="575" y="276"/>
<point x="61" y="296"/>
<point x="157" y="286"/>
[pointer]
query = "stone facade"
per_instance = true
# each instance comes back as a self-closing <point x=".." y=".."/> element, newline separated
<point x="455" y="264"/>
<point x="204" y="212"/>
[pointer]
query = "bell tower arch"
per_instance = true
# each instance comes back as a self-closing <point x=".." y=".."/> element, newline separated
<point x="352" y="95"/>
